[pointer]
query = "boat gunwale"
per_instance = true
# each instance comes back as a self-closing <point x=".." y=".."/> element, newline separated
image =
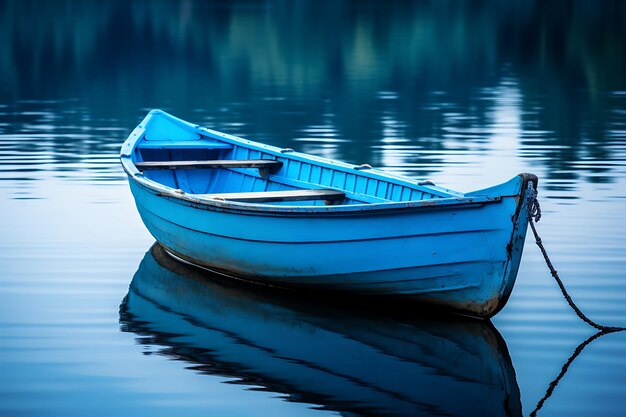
<point x="206" y="203"/>
<point x="446" y="198"/>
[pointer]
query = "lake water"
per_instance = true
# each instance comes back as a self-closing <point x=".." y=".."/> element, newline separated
<point x="467" y="94"/>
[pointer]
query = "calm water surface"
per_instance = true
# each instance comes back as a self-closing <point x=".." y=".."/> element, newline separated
<point x="467" y="94"/>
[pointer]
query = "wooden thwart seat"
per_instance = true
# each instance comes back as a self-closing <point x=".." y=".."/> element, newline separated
<point x="277" y="196"/>
<point x="184" y="144"/>
<point x="265" y="166"/>
<point x="218" y="163"/>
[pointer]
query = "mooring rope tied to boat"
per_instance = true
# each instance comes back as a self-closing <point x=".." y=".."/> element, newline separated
<point x="534" y="215"/>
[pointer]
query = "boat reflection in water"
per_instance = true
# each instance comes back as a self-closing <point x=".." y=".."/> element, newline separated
<point x="348" y="359"/>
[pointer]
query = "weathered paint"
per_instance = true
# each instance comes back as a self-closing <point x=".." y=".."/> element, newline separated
<point x="392" y="236"/>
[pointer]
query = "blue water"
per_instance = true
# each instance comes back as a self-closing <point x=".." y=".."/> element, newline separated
<point x="467" y="94"/>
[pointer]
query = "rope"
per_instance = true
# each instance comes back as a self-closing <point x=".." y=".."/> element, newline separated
<point x="534" y="215"/>
<point x="564" y="369"/>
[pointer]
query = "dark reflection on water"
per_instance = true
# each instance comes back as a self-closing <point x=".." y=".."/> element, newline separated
<point x="467" y="93"/>
<point x="372" y="361"/>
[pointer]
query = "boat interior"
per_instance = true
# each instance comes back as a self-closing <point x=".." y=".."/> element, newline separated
<point x="209" y="168"/>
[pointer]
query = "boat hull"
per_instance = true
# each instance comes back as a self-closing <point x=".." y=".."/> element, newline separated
<point x="464" y="257"/>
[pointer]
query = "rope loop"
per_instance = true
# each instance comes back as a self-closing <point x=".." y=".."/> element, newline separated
<point x="534" y="209"/>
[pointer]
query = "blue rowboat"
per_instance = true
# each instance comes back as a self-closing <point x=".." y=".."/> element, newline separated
<point x="351" y="358"/>
<point x="284" y="218"/>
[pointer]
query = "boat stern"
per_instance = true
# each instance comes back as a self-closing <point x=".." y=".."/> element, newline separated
<point x="492" y="291"/>
<point x="517" y="188"/>
<point x="515" y="246"/>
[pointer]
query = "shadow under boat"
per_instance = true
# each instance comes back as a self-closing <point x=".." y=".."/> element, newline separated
<point x="354" y="357"/>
